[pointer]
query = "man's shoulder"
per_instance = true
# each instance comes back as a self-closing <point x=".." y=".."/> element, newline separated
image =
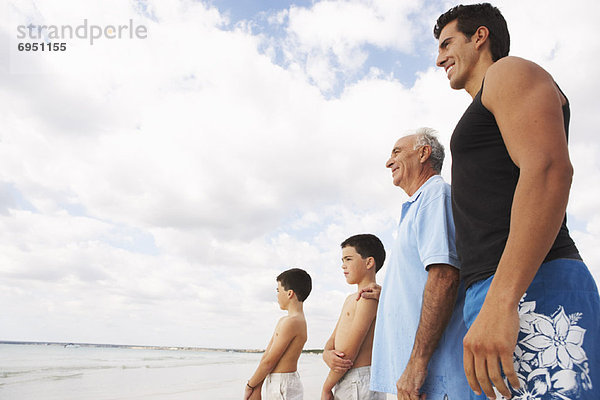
<point x="513" y="71"/>
<point x="435" y="187"/>
<point x="437" y="182"/>
<point x="511" y="64"/>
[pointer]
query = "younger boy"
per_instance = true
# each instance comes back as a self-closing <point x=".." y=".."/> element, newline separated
<point x="278" y="365"/>
<point x="348" y="350"/>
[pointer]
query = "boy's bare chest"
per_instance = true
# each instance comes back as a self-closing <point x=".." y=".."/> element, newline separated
<point x="347" y="316"/>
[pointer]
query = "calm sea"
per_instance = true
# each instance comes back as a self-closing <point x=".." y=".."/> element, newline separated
<point x="54" y="372"/>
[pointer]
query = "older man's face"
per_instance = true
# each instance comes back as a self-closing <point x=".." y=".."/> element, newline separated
<point x="404" y="162"/>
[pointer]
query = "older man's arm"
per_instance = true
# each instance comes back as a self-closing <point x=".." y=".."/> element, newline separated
<point x="439" y="297"/>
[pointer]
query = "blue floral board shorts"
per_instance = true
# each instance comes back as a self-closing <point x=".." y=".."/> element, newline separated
<point x="558" y="349"/>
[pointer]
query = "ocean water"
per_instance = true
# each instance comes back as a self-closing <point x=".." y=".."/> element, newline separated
<point x="55" y="372"/>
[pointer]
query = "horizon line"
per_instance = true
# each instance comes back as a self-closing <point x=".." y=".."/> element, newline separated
<point x="147" y="347"/>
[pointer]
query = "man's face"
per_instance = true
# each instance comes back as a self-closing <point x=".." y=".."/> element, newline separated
<point x="353" y="265"/>
<point x="456" y="55"/>
<point x="404" y="162"/>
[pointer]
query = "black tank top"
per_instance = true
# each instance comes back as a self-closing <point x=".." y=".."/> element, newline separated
<point x="484" y="180"/>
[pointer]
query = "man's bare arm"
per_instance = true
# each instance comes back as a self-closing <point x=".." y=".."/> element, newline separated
<point x="528" y="109"/>
<point x="439" y="297"/>
<point x="351" y="342"/>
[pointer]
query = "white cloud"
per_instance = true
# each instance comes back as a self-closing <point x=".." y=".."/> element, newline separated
<point x="330" y="37"/>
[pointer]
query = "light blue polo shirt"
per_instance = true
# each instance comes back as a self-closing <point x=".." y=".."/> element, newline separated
<point x="425" y="236"/>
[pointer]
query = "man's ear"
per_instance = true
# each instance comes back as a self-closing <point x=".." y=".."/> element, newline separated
<point x="424" y="153"/>
<point x="290" y="293"/>
<point x="370" y="262"/>
<point x="481" y="36"/>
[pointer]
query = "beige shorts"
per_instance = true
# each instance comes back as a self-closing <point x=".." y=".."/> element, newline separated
<point x="354" y="385"/>
<point x="283" y="386"/>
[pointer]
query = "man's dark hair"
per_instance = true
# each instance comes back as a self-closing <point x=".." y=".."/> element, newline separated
<point x="473" y="16"/>
<point x="367" y="245"/>
<point x="298" y="280"/>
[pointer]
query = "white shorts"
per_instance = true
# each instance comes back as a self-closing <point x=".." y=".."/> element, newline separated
<point x="354" y="385"/>
<point x="284" y="386"/>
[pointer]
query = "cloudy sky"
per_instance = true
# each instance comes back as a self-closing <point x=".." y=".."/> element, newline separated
<point x="151" y="189"/>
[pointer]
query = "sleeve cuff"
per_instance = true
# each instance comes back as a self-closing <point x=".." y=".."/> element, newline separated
<point x="442" y="259"/>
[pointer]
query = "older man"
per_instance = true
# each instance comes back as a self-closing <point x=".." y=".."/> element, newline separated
<point x="419" y="328"/>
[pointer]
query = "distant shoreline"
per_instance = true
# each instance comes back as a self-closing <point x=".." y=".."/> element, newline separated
<point x="141" y="347"/>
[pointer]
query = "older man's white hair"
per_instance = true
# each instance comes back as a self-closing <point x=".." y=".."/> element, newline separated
<point x="428" y="137"/>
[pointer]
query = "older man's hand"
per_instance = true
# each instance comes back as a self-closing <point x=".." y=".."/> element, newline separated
<point x="409" y="384"/>
<point x="373" y="291"/>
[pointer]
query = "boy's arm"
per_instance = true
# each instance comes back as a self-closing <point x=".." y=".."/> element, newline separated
<point x="528" y="109"/>
<point x="268" y="346"/>
<point x="333" y="358"/>
<point x="284" y="333"/>
<point x="253" y="392"/>
<point x="351" y="342"/>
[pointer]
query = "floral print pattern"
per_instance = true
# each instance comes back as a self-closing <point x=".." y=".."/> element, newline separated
<point x="549" y="359"/>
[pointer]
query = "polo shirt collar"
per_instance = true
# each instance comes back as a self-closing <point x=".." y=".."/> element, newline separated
<point x="416" y="194"/>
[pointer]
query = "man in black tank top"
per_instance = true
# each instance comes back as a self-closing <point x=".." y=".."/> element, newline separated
<point x="511" y="177"/>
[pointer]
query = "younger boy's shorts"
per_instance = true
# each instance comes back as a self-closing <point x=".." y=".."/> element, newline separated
<point x="284" y="386"/>
<point x="354" y="385"/>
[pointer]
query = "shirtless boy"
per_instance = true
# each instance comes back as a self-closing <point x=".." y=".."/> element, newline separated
<point x="348" y="350"/>
<point x="278" y="365"/>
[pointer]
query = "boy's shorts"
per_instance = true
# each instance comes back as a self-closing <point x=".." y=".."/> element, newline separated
<point x="284" y="386"/>
<point x="354" y="385"/>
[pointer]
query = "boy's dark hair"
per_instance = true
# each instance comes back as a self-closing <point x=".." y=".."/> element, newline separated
<point x="471" y="17"/>
<point x="367" y="245"/>
<point x="298" y="280"/>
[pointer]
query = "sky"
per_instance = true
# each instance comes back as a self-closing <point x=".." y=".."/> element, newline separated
<point x="152" y="187"/>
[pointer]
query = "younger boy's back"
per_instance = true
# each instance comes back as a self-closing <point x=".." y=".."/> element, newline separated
<point x="278" y="366"/>
<point x="291" y="325"/>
